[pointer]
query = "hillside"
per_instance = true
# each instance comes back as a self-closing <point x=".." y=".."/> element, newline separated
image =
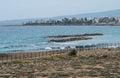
<point x="112" y="13"/>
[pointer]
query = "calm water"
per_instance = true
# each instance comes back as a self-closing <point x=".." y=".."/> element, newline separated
<point x="31" y="38"/>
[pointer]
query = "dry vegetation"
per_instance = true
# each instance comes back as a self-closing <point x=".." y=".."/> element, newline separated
<point x="104" y="63"/>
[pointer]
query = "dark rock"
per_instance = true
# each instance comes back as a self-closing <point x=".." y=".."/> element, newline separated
<point x="69" y="39"/>
<point x="77" y="35"/>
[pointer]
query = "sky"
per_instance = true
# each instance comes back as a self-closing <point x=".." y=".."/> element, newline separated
<point x="24" y="9"/>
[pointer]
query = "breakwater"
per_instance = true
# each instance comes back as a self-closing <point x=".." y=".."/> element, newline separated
<point x="76" y="37"/>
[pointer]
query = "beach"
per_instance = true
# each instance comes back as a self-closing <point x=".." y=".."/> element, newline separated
<point x="98" y="63"/>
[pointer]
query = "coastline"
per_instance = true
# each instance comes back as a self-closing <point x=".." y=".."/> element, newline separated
<point x="62" y="25"/>
<point x="13" y="56"/>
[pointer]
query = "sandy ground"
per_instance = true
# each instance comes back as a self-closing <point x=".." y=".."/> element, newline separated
<point x="101" y="63"/>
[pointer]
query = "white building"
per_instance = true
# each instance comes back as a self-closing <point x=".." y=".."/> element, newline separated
<point x="118" y="18"/>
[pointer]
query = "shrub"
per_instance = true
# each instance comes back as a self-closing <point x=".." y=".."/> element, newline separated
<point x="73" y="53"/>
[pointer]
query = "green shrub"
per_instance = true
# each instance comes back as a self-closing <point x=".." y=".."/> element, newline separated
<point x="72" y="53"/>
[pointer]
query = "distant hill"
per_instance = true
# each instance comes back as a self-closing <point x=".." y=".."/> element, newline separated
<point x="112" y="13"/>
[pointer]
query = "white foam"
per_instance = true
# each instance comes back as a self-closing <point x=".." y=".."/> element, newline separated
<point x="69" y="43"/>
<point x="48" y="48"/>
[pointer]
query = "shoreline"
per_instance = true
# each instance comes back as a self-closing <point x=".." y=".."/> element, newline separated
<point x="58" y="25"/>
<point x="96" y="46"/>
<point x="14" y="56"/>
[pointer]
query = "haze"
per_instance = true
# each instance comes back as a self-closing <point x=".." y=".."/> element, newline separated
<point x="23" y="9"/>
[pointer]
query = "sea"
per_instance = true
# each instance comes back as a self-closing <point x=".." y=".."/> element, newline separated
<point x="32" y="38"/>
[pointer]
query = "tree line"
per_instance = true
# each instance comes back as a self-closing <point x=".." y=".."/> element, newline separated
<point x="76" y="21"/>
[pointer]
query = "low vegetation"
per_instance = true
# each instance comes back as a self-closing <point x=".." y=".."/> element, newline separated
<point x="72" y="53"/>
<point x="77" y="21"/>
<point x="101" y="63"/>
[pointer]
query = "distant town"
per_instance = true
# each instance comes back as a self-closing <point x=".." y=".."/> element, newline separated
<point x="102" y="21"/>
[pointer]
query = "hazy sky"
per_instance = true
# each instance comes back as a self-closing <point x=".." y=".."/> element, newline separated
<point x="22" y="9"/>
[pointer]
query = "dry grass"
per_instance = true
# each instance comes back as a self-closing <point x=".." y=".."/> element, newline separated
<point x="102" y="63"/>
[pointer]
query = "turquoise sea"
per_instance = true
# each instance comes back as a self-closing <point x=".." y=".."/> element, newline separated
<point x="31" y="38"/>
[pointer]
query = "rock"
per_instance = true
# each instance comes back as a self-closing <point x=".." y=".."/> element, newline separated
<point x="76" y="35"/>
<point x="69" y="39"/>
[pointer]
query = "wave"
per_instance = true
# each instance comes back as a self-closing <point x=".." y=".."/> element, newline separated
<point x="24" y="47"/>
<point x="70" y="43"/>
